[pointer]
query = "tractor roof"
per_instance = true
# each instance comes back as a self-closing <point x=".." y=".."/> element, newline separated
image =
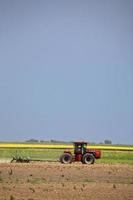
<point x="80" y="142"/>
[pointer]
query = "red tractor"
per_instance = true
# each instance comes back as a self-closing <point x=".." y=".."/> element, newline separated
<point x="81" y="153"/>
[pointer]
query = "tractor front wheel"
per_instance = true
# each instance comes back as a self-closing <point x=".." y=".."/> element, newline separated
<point x="66" y="158"/>
<point x="88" y="159"/>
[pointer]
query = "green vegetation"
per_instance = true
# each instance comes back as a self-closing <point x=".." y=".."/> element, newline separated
<point x="110" y="157"/>
<point x="113" y="157"/>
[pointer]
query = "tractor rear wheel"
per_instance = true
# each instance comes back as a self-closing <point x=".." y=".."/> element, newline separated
<point x="66" y="158"/>
<point x="88" y="159"/>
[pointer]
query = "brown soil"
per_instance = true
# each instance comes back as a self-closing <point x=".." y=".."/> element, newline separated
<point x="55" y="181"/>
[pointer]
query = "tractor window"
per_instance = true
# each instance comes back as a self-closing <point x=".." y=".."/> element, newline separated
<point x="84" y="148"/>
<point x="78" y="148"/>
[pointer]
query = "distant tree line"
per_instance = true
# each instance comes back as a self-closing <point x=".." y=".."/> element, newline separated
<point x="44" y="141"/>
<point x="107" y="141"/>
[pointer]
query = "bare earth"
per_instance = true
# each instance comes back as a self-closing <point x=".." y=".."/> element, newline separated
<point x="55" y="181"/>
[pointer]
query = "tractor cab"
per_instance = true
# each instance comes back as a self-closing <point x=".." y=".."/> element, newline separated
<point x="80" y="147"/>
<point x="79" y="150"/>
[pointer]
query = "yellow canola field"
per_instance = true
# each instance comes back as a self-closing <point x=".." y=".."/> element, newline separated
<point x="63" y="146"/>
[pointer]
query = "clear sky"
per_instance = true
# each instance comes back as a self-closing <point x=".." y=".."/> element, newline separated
<point x="66" y="70"/>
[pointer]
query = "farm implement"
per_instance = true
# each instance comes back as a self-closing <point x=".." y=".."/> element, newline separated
<point x="22" y="159"/>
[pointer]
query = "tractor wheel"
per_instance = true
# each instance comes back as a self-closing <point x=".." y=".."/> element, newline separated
<point x="88" y="159"/>
<point x="66" y="158"/>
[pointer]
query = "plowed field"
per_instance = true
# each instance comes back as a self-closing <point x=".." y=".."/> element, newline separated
<point x="55" y="181"/>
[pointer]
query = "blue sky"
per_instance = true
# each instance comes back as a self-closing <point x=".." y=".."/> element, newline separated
<point x="66" y="70"/>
